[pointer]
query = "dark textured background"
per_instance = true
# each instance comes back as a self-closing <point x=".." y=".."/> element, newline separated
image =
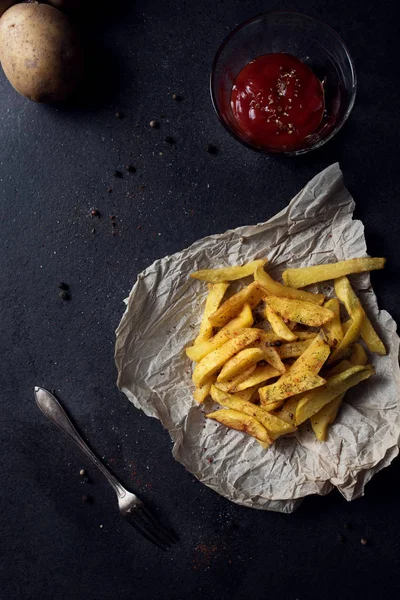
<point x="56" y="165"/>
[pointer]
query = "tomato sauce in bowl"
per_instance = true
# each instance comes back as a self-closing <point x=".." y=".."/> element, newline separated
<point x="277" y="101"/>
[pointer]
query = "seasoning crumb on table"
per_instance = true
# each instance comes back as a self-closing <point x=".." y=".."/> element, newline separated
<point x="130" y="169"/>
<point x="64" y="295"/>
<point x="119" y="115"/>
<point x="82" y="472"/>
<point x="364" y="541"/>
<point x="154" y="124"/>
<point x="95" y="213"/>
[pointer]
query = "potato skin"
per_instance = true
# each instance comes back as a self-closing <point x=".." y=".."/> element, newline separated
<point x="39" y="52"/>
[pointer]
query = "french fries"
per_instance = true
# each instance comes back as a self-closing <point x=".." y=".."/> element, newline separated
<point x="333" y="329"/>
<point x="274" y="288"/>
<point x="278" y="325"/>
<point x="299" y="311"/>
<point x="214" y="298"/>
<point x="250" y="295"/>
<point x="275" y="426"/>
<point x="214" y="361"/>
<point x="299" y="278"/>
<point x="274" y="356"/>
<point x="200" y="349"/>
<point x="228" y="273"/>
<point x="240" y="362"/>
<point x="236" y="419"/>
<point x="313" y="401"/>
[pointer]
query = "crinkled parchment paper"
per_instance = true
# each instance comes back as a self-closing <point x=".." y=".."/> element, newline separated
<point x="162" y="315"/>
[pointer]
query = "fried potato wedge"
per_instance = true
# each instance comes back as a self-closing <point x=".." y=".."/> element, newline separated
<point x="259" y="375"/>
<point x="371" y="338"/>
<point x="202" y="392"/>
<point x="273" y="396"/>
<point x="228" y="273"/>
<point x="333" y="329"/>
<point x="214" y="299"/>
<point x="302" y="375"/>
<point x="358" y="355"/>
<point x="278" y="325"/>
<point x="200" y="350"/>
<point x="239" y="363"/>
<point x="251" y="295"/>
<point x="214" y="361"/>
<point x="325" y="417"/>
<point x="328" y="413"/>
<point x="247" y="394"/>
<point x="288" y="411"/>
<point x="275" y="427"/>
<point x="313" y="358"/>
<point x="241" y="422"/>
<point x="345" y="293"/>
<point x="227" y="386"/>
<point x="293" y="349"/>
<point x="274" y="288"/>
<point x="313" y="401"/>
<point x="271" y="356"/>
<point x="305" y="313"/>
<point x="299" y="278"/>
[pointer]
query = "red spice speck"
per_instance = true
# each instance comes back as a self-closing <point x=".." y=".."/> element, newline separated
<point x="139" y="227"/>
<point x="210" y="460"/>
<point x="204" y="555"/>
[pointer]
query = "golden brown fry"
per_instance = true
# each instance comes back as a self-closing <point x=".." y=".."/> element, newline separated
<point x="345" y="293"/>
<point x="271" y="356"/>
<point x="228" y="386"/>
<point x="241" y="422"/>
<point x="333" y="329"/>
<point x="274" y="288"/>
<point x="312" y="402"/>
<point x="288" y="411"/>
<point x="275" y="426"/>
<point x="259" y="375"/>
<point x="276" y="393"/>
<point x="239" y="363"/>
<point x="214" y="361"/>
<point x="305" y="313"/>
<point x="214" y="299"/>
<point x="346" y="326"/>
<point x="371" y="338"/>
<point x="293" y="349"/>
<point x="200" y="350"/>
<point x="325" y="417"/>
<point x="246" y="394"/>
<point x="358" y="355"/>
<point x="250" y="295"/>
<point x="299" y="278"/>
<point x="228" y="273"/>
<point x="301" y="376"/>
<point x="278" y="325"/>
<point x="202" y="392"/>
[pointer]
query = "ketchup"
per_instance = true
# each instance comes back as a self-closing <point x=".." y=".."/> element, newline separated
<point x="277" y="101"/>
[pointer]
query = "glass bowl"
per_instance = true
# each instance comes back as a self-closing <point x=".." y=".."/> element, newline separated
<point x="306" y="38"/>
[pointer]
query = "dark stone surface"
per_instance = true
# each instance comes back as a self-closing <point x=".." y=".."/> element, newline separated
<point x="55" y="167"/>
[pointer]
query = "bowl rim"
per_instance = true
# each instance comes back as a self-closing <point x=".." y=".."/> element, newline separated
<point x="321" y="142"/>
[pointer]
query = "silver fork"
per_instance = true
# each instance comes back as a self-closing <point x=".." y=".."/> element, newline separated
<point x="130" y="506"/>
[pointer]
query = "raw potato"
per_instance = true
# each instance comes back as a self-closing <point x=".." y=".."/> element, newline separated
<point x="39" y="52"/>
<point x="5" y="5"/>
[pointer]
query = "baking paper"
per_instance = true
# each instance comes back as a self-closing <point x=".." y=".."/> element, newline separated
<point x="163" y="314"/>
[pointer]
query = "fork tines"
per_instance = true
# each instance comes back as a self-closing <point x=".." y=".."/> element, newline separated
<point x="142" y="519"/>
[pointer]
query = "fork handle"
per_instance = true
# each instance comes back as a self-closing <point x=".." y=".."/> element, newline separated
<point x="53" y="410"/>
